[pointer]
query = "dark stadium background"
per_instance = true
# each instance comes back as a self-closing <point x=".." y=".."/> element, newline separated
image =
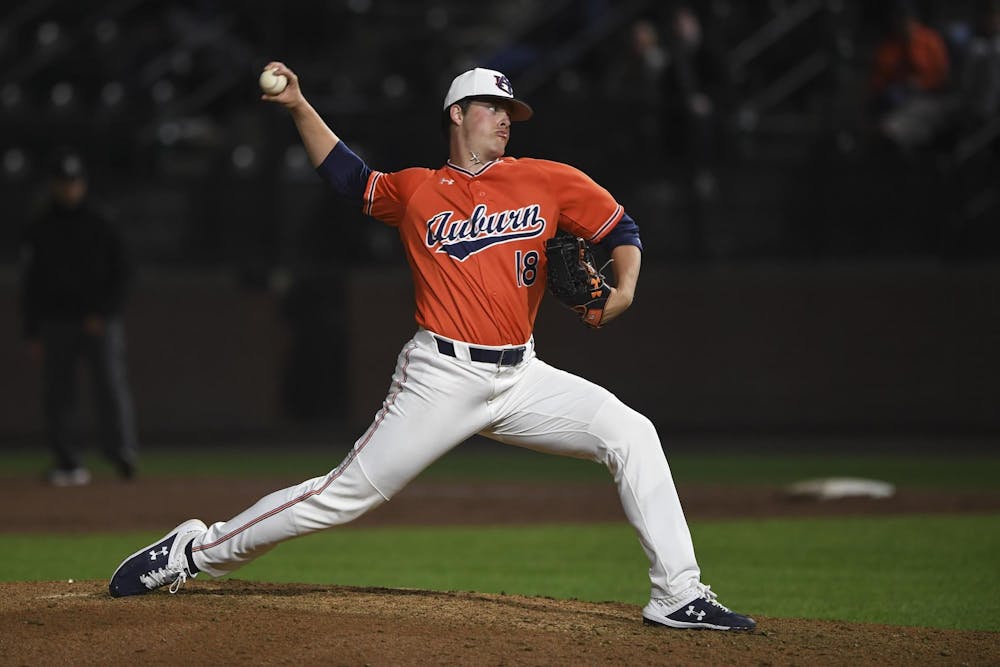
<point x="839" y="288"/>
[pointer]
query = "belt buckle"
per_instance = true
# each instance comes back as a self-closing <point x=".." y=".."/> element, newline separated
<point x="509" y="356"/>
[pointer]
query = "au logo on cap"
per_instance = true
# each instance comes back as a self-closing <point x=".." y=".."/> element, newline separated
<point x="503" y="83"/>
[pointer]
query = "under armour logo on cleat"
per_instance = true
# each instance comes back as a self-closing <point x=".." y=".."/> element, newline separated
<point x="692" y="612"/>
<point x="153" y="554"/>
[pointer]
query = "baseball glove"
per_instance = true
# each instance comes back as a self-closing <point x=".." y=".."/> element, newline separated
<point x="574" y="281"/>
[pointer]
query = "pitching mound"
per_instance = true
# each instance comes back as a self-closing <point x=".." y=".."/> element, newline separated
<point x="233" y="622"/>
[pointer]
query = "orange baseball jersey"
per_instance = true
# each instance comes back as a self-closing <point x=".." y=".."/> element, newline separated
<point x="476" y="242"/>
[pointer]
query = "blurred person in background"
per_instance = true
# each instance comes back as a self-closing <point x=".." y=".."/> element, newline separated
<point x="667" y="83"/>
<point x="980" y="78"/>
<point x="909" y="78"/>
<point x="74" y="277"/>
<point x="693" y="82"/>
<point x="632" y="82"/>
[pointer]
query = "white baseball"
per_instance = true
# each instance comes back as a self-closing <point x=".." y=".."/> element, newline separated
<point x="272" y="83"/>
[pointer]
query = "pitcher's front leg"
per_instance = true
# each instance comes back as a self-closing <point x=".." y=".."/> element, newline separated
<point x="342" y="495"/>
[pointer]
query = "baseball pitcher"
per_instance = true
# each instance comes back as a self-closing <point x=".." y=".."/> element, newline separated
<point x="485" y="234"/>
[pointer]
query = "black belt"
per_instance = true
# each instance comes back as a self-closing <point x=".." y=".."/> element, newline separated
<point x="510" y="356"/>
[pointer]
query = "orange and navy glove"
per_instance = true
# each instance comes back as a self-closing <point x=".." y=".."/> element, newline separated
<point x="574" y="280"/>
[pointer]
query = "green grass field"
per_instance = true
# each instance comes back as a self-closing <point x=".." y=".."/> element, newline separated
<point x="935" y="571"/>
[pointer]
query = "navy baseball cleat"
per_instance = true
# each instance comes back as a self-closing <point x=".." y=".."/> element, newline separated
<point x="701" y="613"/>
<point x="162" y="563"/>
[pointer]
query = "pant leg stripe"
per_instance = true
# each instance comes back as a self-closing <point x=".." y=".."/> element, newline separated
<point x="333" y="475"/>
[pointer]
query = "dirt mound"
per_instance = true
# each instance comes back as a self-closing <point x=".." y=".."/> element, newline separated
<point x="234" y="622"/>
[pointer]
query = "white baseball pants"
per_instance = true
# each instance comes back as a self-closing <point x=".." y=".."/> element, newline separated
<point x="437" y="401"/>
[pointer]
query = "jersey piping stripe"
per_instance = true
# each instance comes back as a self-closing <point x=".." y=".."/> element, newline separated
<point x="608" y="224"/>
<point x="370" y="193"/>
<point x="333" y="475"/>
<point x="469" y="173"/>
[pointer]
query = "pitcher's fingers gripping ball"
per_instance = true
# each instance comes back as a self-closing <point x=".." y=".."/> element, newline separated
<point x="574" y="280"/>
<point x="271" y="82"/>
<point x="279" y="85"/>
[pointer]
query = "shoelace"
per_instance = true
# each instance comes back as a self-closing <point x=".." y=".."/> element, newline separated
<point x="712" y="597"/>
<point x="182" y="577"/>
<point x="708" y="595"/>
<point x="162" y="577"/>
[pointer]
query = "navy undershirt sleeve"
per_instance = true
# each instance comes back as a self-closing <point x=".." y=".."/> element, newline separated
<point x="344" y="171"/>
<point x="626" y="232"/>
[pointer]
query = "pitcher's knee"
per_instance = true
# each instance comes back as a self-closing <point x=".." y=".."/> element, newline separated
<point x="641" y="428"/>
<point x="618" y="419"/>
<point x="625" y="430"/>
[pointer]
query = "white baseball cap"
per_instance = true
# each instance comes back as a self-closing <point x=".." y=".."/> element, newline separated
<point x="481" y="82"/>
